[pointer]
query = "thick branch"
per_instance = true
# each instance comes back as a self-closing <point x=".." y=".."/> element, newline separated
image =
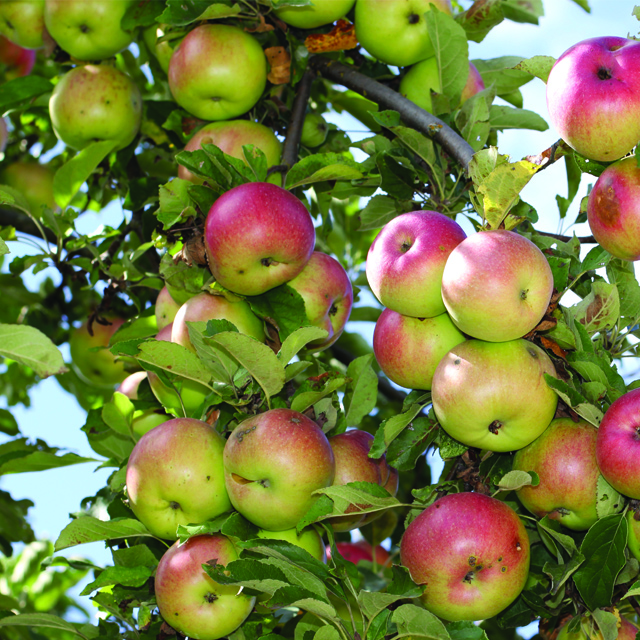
<point x="294" y="130"/>
<point x="387" y="98"/>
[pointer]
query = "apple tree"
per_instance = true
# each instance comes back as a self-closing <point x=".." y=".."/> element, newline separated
<point x="251" y="428"/>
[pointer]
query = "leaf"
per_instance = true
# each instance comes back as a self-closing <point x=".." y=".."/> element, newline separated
<point x="515" y="480"/>
<point x="503" y="117"/>
<point x="40" y="461"/>
<point x="372" y="603"/>
<point x="282" y="305"/>
<point x="607" y="623"/>
<point x="75" y="172"/>
<point x="560" y="573"/>
<point x="590" y="412"/>
<point x="412" y="442"/>
<point x="16" y="92"/>
<point x="175" y="359"/>
<point x="314" y="389"/>
<point x="362" y="390"/>
<point x="44" y="620"/>
<point x="8" y="423"/>
<point x="552" y="528"/>
<point x="466" y="630"/>
<point x="321" y="167"/>
<point x="538" y="66"/>
<point x="141" y="14"/>
<point x="182" y="12"/>
<point x="88" y="529"/>
<point x="382" y="209"/>
<point x="416" y="622"/>
<point x="391" y="428"/>
<point x="297" y="340"/>
<point x="175" y="203"/>
<point x="603" y="548"/>
<point x="600" y="309"/>
<point x="30" y="347"/>
<point x="4" y="249"/>
<point x="126" y="576"/>
<point x="609" y="500"/>
<point x="527" y="11"/>
<point x="480" y="18"/>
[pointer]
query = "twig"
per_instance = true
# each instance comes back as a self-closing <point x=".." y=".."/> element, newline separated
<point x="387" y="98"/>
<point x="22" y="223"/>
<point x="557" y="236"/>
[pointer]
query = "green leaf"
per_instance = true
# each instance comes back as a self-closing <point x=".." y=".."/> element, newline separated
<point x="31" y="460"/>
<point x="282" y="305"/>
<point x="174" y="358"/>
<point x="391" y="428"/>
<point x="382" y="209"/>
<point x="372" y="603"/>
<point x="553" y="529"/>
<point x="527" y="11"/>
<point x="600" y="309"/>
<point x="297" y="340"/>
<point x="182" y="12"/>
<point x="607" y="623"/>
<point x="538" y="66"/>
<point x="4" y="249"/>
<point x="20" y="91"/>
<point x="321" y="167"/>
<point x="480" y="18"/>
<point x="41" y="620"/>
<point x="141" y="14"/>
<point x="405" y="449"/>
<point x="609" y="500"/>
<point x="466" y="630"/>
<point x="603" y="548"/>
<point x="88" y="529"/>
<point x="515" y="480"/>
<point x="30" y="347"/>
<point x="502" y="74"/>
<point x="560" y="573"/>
<point x="314" y="389"/>
<point x="8" y="423"/>
<point x="417" y="622"/>
<point x="74" y="173"/>
<point x="502" y="117"/>
<point x="362" y="390"/>
<point x="256" y="159"/>
<point x="590" y="412"/>
<point x="118" y="414"/>
<point x="126" y="576"/>
<point x="175" y="203"/>
<point x="596" y="258"/>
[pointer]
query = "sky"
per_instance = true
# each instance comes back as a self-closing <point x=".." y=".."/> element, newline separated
<point x="55" y="415"/>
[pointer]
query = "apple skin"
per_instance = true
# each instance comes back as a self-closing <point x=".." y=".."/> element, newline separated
<point x="143" y="420"/>
<point x="34" y="181"/>
<point x="230" y="137"/>
<point x="162" y="51"/>
<point x="613" y="210"/>
<point x="257" y="236"/>
<point x="273" y="463"/>
<point x="592" y="97"/>
<point x="189" y="600"/>
<point x="496" y="285"/>
<point x="166" y="308"/>
<point x="95" y="102"/>
<point x="618" y="443"/>
<point x="633" y="538"/>
<point x="206" y="67"/>
<point x="19" y="61"/>
<point x="493" y="395"/>
<point x="475" y="84"/>
<point x="589" y="631"/>
<point x="408" y="349"/>
<point x="204" y="307"/>
<point x="99" y="368"/>
<point x="175" y="476"/>
<point x="396" y="32"/>
<point x="361" y="550"/>
<point x="88" y="30"/>
<point x="484" y="564"/>
<point x="353" y="464"/>
<point x="314" y="130"/>
<point x="327" y="292"/>
<point x="406" y="261"/>
<point x="309" y="540"/>
<point x="321" y="12"/>
<point x="22" y="22"/>
<point x="564" y="457"/>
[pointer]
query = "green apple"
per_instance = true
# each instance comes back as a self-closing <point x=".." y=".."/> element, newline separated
<point x="161" y="50"/>
<point x="88" y="29"/>
<point x="633" y="538"/>
<point x="218" y="72"/>
<point x="189" y="600"/>
<point x="143" y="419"/>
<point x="34" y="181"/>
<point x="93" y="361"/>
<point x="22" y="22"/>
<point x="314" y="130"/>
<point x="308" y="539"/>
<point x="316" y="14"/>
<point x="493" y="395"/>
<point x="175" y="476"/>
<point x="95" y="102"/>
<point x="273" y="462"/>
<point x="396" y="32"/>
<point x="166" y="308"/>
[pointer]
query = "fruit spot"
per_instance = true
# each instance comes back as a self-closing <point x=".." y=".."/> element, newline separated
<point x="523" y="294"/>
<point x="500" y="559"/>
<point x="472" y="561"/>
<point x="241" y="434"/>
<point x="267" y="262"/>
<point x="457" y="361"/>
<point x="174" y="505"/>
<point x="607" y="205"/>
<point x="84" y="28"/>
<point x="265" y="483"/>
<point x="240" y="271"/>
<point x="533" y="353"/>
<point x="210" y="597"/>
<point x="295" y="420"/>
<point x="503" y="569"/>
<point x="494" y="427"/>
<point x="215" y="98"/>
<point x="239" y="479"/>
<point x="333" y="310"/>
<point x="405" y="246"/>
<point x="208" y="477"/>
<point x="414" y="18"/>
<point x="604" y="74"/>
<point x="518" y="546"/>
<point x="468" y="577"/>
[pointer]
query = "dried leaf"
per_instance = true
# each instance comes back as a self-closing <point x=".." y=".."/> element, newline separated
<point x="280" y="65"/>
<point x="341" y="38"/>
<point x="553" y="346"/>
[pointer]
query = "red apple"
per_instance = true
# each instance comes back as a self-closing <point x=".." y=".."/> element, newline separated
<point x="618" y="444"/>
<point x="273" y="462"/>
<point x="258" y="236"/>
<point x="361" y="550"/>
<point x="613" y="209"/>
<point x="406" y="261"/>
<point x="408" y="349"/>
<point x="326" y="290"/>
<point x="593" y="96"/>
<point x="189" y="600"/>
<point x="18" y="61"/>
<point x="474" y="84"/>
<point x="472" y="553"/>
<point x="497" y="285"/>
<point x="564" y="457"/>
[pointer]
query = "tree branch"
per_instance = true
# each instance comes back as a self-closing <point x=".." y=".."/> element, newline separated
<point x="23" y="223"/>
<point x="557" y="236"/>
<point x="387" y="98"/>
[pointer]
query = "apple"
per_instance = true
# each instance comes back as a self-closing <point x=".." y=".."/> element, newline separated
<point x="143" y="420"/>
<point x="408" y="349"/>
<point x="88" y="29"/>
<point x="175" y="476"/>
<point x="161" y="50"/>
<point x="257" y="236"/>
<point x="317" y="14"/>
<point x="496" y="285"/>
<point x="22" y="22"/>
<point x="396" y="32"/>
<point x="4" y="135"/>
<point x="593" y="97"/>
<point x="166" y="308"/>
<point x="633" y="537"/>
<point x="91" y="358"/>
<point x="95" y="102"/>
<point x="218" y="72"/>
<point x="361" y="550"/>
<point x="564" y="457"/>
<point x="17" y="61"/>
<point x="475" y="84"/>
<point x="406" y="260"/>
<point x="314" y="130"/>
<point x="34" y="181"/>
<point x="308" y="539"/>
<point x="353" y="464"/>
<point x="273" y="463"/>
<point x="472" y="553"/>
<point x="189" y="600"/>
<point x="613" y="211"/>
<point x="326" y="290"/>
<point x="493" y="395"/>
<point x="230" y="137"/>
<point x="589" y="630"/>
<point x="618" y="444"/>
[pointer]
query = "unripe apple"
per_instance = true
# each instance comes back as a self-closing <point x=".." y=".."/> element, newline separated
<point x="34" y="181"/>
<point x="408" y="349"/>
<point x="273" y="462"/>
<point x="613" y="209"/>
<point x="22" y="22"/>
<point x="472" y="553"/>
<point x="633" y="537"/>
<point x="308" y="539"/>
<point x="314" y="130"/>
<point x="406" y="261"/>
<point x="166" y="308"/>
<point x="161" y="50"/>
<point x="17" y="60"/>
<point x="319" y="13"/>
<point x="143" y="420"/>
<point x="189" y="600"/>
<point x="175" y="476"/>
<point x="218" y="72"/>
<point x="95" y="102"/>
<point x="257" y="236"/>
